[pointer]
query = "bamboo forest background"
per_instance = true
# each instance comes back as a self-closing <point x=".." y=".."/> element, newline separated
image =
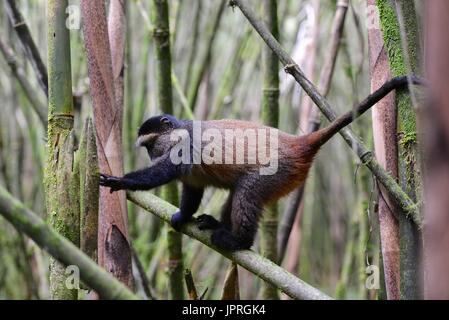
<point x="218" y="72"/>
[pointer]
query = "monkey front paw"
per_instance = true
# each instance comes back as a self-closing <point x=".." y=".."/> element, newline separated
<point x="207" y="222"/>
<point x="178" y="220"/>
<point x="112" y="182"/>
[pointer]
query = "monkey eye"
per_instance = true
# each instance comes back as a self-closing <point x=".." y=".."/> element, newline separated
<point x="165" y="120"/>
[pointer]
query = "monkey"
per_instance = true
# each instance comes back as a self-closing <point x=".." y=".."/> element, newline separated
<point x="249" y="190"/>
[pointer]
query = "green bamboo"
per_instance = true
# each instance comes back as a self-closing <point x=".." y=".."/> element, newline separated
<point x="60" y="176"/>
<point x="161" y="36"/>
<point x="341" y="290"/>
<point x="270" y="116"/>
<point x="197" y="77"/>
<point x="231" y="75"/>
<point x="409" y="167"/>
<point x="193" y="45"/>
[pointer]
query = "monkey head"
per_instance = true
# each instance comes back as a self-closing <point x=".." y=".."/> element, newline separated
<point x="154" y="134"/>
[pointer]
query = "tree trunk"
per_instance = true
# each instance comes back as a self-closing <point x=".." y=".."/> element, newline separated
<point x="401" y="28"/>
<point x="114" y="252"/>
<point x="436" y="152"/>
<point x="386" y="150"/>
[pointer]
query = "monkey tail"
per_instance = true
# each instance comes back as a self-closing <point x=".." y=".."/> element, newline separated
<point x="318" y="138"/>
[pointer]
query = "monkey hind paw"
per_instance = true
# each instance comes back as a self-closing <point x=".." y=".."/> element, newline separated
<point x="178" y="220"/>
<point x="207" y="222"/>
<point x="224" y="239"/>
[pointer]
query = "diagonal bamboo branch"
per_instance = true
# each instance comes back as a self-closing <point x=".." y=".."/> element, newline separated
<point x="27" y="222"/>
<point x="261" y="267"/>
<point x="29" y="46"/>
<point x="402" y="199"/>
<point x="16" y="69"/>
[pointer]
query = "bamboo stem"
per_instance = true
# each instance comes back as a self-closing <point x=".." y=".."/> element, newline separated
<point x="270" y="116"/>
<point x="161" y="34"/>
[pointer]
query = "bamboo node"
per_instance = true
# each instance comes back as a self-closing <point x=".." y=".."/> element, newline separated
<point x="161" y="33"/>
<point x="366" y="157"/>
<point x="342" y="4"/>
<point x="18" y="24"/>
<point x="290" y="67"/>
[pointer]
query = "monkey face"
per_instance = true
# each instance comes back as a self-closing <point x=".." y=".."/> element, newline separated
<point x="155" y="127"/>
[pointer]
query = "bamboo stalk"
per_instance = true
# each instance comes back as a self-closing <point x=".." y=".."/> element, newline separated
<point x="399" y="57"/>
<point x="161" y="34"/>
<point x="114" y="252"/>
<point x="197" y="77"/>
<point x="193" y="45"/>
<point x="61" y="179"/>
<point x="385" y="144"/>
<point x="270" y="116"/>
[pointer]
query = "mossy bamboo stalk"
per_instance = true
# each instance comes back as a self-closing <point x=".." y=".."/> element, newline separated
<point x="407" y="205"/>
<point x="409" y="167"/>
<point x="263" y="268"/>
<point x="61" y="183"/>
<point x="27" y="222"/>
<point x="161" y="34"/>
<point x="270" y="116"/>
<point x="386" y="149"/>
